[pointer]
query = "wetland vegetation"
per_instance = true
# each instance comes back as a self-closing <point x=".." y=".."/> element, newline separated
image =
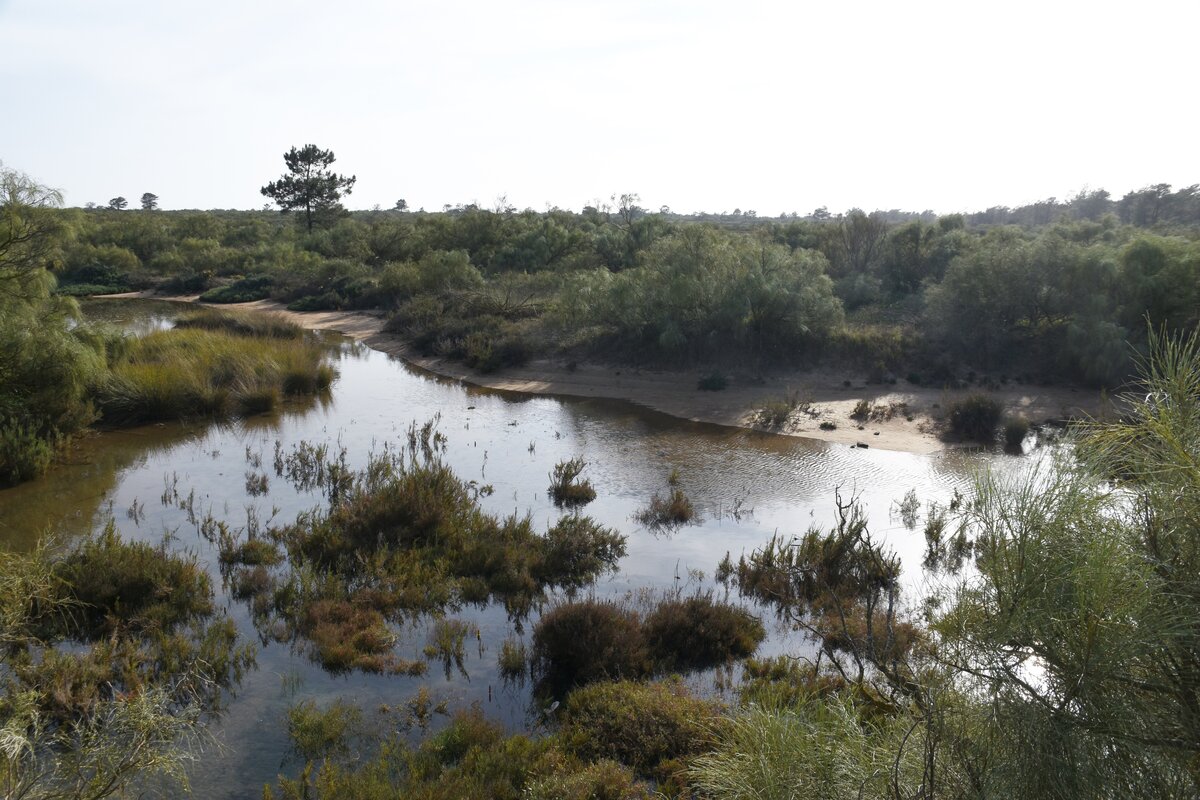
<point x="1047" y="645"/>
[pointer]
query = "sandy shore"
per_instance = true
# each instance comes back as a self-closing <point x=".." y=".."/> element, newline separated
<point x="906" y="418"/>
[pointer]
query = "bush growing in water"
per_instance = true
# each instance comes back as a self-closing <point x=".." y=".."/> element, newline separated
<point x="667" y="512"/>
<point x="975" y="417"/>
<point x="566" y="489"/>
<point x="696" y="632"/>
<point x="584" y="641"/>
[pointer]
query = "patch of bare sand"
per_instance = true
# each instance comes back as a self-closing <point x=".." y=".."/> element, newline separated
<point x="906" y="419"/>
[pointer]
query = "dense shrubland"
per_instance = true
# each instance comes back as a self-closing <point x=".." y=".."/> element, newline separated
<point x="1051" y="291"/>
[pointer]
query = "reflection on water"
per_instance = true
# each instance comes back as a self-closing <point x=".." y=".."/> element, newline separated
<point x="746" y="486"/>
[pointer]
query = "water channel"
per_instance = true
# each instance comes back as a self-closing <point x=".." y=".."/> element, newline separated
<point x="747" y="485"/>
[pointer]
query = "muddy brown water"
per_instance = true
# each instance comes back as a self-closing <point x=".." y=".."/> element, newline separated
<point x="746" y="485"/>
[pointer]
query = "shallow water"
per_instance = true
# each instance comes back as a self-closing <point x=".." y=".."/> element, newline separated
<point x="747" y="486"/>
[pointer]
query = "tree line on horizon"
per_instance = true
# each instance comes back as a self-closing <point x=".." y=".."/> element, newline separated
<point x="1046" y="292"/>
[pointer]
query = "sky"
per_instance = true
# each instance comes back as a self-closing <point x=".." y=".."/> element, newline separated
<point x="707" y="106"/>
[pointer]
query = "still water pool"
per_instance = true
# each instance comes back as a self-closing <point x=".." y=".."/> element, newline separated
<point x="746" y="485"/>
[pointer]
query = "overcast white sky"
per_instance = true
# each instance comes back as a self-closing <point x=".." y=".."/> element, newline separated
<point x="698" y="105"/>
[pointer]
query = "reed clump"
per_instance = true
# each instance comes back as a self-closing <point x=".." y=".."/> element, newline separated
<point x="670" y="511"/>
<point x="208" y="372"/>
<point x="566" y="488"/>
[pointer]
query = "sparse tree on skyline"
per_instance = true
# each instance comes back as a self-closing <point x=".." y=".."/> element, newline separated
<point x="309" y="184"/>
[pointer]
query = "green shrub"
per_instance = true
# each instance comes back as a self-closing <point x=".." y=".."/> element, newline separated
<point x="566" y="489"/>
<point x="974" y="418"/>
<point x="713" y="382"/>
<point x="329" y="301"/>
<point x="120" y="586"/>
<point x="185" y="283"/>
<point x="585" y="641"/>
<point x="244" y="290"/>
<point x="89" y="289"/>
<point x="774" y="413"/>
<point x="696" y="633"/>
<point x="24" y="455"/>
<point x="653" y="728"/>
<point x="666" y="512"/>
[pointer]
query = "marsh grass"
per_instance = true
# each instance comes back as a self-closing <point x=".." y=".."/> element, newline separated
<point x="256" y="325"/>
<point x="447" y="643"/>
<point x="402" y="538"/>
<point x="512" y="660"/>
<point x="472" y="757"/>
<point x="318" y="733"/>
<point x="199" y="372"/>
<point x="566" y="489"/>
<point x="671" y="511"/>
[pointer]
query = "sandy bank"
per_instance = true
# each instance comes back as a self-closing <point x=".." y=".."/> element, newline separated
<point x="908" y="418"/>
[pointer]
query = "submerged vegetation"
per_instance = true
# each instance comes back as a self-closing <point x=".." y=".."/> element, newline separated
<point x="402" y="538"/>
